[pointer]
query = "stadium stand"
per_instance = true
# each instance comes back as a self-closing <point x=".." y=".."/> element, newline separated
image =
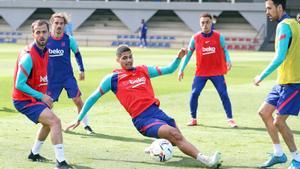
<point x="166" y="30"/>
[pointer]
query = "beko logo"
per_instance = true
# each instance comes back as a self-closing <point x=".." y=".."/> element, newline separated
<point x="56" y="52"/>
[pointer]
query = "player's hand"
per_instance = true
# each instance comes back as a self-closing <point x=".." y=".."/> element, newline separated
<point x="72" y="126"/>
<point x="48" y="100"/>
<point x="81" y="76"/>
<point x="182" y="53"/>
<point x="180" y="75"/>
<point x="257" y="80"/>
<point x="229" y="65"/>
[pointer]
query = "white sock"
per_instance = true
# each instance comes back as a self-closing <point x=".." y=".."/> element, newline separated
<point x="277" y="150"/>
<point x="296" y="156"/>
<point x="59" y="152"/>
<point x="85" y="121"/>
<point x="37" y="147"/>
<point x="203" y="158"/>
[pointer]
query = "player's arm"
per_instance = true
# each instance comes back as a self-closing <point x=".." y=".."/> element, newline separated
<point x="24" y="70"/>
<point x="190" y="52"/>
<point x="103" y="88"/>
<point x="157" y="71"/>
<point x="75" y="50"/>
<point x="227" y="57"/>
<point x="284" y="35"/>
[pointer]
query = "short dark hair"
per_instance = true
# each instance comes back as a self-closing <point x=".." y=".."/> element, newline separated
<point x="39" y="23"/>
<point x="206" y="15"/>
<point x="279" y="2"/>
<point x="121" y="49"/>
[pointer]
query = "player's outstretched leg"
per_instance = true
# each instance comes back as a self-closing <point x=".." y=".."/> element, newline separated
<point x="175" y="137"/>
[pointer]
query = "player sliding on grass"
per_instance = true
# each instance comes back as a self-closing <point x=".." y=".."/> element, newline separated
<point x="133" y="88"/>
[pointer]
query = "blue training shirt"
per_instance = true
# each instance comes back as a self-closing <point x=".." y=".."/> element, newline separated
<point x="60" y="66"/>
<point x="106" y="84"/>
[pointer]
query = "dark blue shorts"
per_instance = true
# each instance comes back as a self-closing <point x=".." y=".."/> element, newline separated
<point x="149" y="121"/>
<point x="70" y="85"/>
<point x="30" y="109"/>
<point x="286" y="99"/>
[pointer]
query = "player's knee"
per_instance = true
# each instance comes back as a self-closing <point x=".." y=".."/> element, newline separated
<point x="278" y="123"/>
<point x="263" y="114"/>
<point x="78" y="101"/>
<point x="55" y="122"/>
<point x="176" y="135"/>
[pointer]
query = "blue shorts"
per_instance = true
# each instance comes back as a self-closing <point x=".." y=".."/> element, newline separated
<point x="286" y="99"/>
<point x="70" y="85"/>
<point x="149" y="121"/>
<point x="30" y="109"/>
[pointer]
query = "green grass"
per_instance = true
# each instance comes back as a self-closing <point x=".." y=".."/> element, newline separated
<point x="117" y="144"/>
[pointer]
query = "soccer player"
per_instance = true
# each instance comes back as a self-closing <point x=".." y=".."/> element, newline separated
<point x="285" y="96"/>
<point x="132" y="86"/>
<point x="143" y="33"/>
<point x="213" y="62"/>
<point x="298" y="17"/>
<point x="60" y="71"/>
<point x="29" y="94"/>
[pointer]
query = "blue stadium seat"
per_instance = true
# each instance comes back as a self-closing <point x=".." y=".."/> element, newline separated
<point x="114" y="43"/>
<point x="119" y="36"/>
<point x="172" y="37"/>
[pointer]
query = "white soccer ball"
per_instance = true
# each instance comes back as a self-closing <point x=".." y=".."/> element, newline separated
<point x="161" y="150"/>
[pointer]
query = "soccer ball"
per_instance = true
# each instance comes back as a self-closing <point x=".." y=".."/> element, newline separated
<point x="161" y="150"/>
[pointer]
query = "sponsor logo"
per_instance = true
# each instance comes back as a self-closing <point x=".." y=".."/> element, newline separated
<point x="43" y="80"/>
<point x="137" y="82"/>
<point x="56" y="52"/>
<point x="208" y="50"/>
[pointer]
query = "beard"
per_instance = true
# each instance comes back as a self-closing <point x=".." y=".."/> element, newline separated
<point x="41" y="42"/>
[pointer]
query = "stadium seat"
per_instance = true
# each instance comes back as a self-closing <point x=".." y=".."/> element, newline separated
<point x="251" y="47"/>
<point x="172" y="37"/>
<point x="244" y="47"/>
<point x="114" y="43"/>
<point x="255" y="40"/>
<point x="229" y="47"/>
<point x="241" y="39"/>
<point x="236" y="47"/>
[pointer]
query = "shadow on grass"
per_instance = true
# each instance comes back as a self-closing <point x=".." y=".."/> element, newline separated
<point x="8" y="110"/>
<point x="182" y="162"/>
<point x="111" y="137"/>
<point x="80" y="167"/>
<point x="241" y="128"/>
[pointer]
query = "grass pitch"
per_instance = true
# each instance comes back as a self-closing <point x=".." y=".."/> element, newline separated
<point x="117" y="144"/>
